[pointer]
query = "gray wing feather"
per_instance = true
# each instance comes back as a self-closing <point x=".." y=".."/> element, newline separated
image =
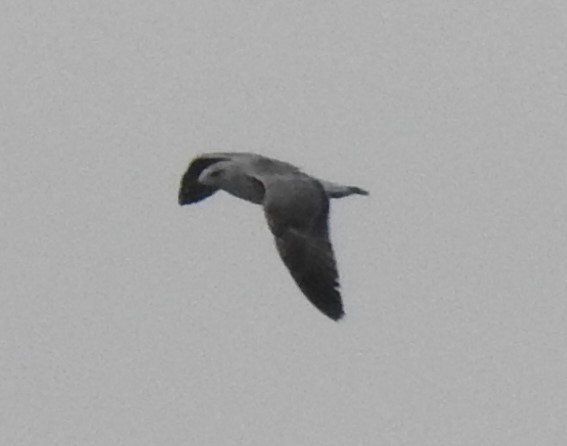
<point x="312" y="265"/>
<point x="300" y="227"/>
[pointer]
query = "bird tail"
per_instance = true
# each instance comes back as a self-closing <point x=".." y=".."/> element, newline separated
<point x="335" y="190"/>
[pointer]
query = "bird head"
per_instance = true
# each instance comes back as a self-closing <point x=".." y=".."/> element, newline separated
<point x="214" y="175"/>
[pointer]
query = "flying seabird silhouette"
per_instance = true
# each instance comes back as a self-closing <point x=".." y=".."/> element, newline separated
<point x="296" y="206"/>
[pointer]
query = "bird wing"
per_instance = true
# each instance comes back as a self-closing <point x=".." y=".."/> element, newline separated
<point x="190" y="190"/>
<point x="305" y="248"/>
<point x="313" y="267"/>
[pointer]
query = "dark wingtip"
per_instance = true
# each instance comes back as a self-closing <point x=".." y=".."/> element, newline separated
<point x="336" y="316"/>
<point x="190" y="190"/>
<point x="181" y="199"/>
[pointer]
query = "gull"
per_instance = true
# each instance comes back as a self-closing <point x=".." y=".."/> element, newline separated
<point x="296" y="206"/>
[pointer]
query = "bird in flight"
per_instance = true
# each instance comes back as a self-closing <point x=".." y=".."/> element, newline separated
<point x="296" y="206"/>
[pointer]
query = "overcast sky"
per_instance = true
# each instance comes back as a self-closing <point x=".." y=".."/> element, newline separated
<point x="128" y="320"/>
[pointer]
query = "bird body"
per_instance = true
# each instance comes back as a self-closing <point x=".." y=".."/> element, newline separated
<point x="296" y="206"/>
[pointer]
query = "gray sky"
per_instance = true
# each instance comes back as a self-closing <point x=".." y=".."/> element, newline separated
<point x="127" y="320"/>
